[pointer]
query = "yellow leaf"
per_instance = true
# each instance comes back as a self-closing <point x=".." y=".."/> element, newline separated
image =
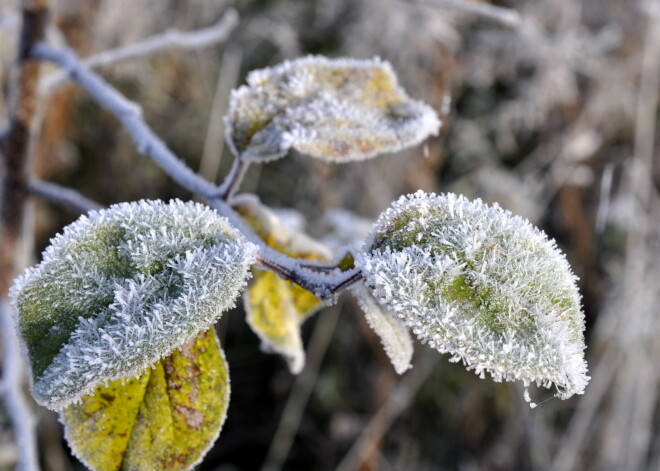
<point x="167" y="418"/>
<point x="272" y="315"/>
<point x="276" y="308"/>
<point x="305" y="302"/>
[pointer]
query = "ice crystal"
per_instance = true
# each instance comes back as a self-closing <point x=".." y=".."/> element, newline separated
<point x="334" y="109"/>
<point x="482" y="284"/>
<point x="121" y="288"/>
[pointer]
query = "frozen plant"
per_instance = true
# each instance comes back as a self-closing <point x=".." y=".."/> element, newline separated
<point x="117" y="318"/>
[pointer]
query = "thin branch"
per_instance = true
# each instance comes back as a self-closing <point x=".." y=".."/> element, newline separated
<point x="16" y="405"/>
<point x="228" y="77"/>
<point x="395" y="405"/>
<point x="234" y="178"/>
<point x="505" y="16"/>
<point x="63" y="196"/>
<point x="167" y="41"/>
<point x="130" y="116"/>
<point x="14" y="146"/>
<point x="324" y="286"/>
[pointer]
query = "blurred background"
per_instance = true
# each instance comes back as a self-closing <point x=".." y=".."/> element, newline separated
<point x="553" y="116"/>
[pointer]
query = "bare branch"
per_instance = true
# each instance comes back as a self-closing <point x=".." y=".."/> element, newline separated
<point x="167" y="41"/>
<point x="324" y="286"/>
<point x="16" y="405"/>
<point x="505" y="16"/>
<point x="129" y="114"/>
<point x="300" y="393"/>
<point x="63" y="196"/>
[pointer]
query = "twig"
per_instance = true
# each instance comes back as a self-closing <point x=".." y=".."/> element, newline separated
<point x="506" y="16"/>
<point x="396" y="404"/>
<point x="167" y="41"/>
<point x="67" y="197"/>
<point x="300" y="392"/>
<point x="16" y="406"/>
<point x="129" y="115"/>
<point x="234" y="178"/>
<point x="324" y="286"/>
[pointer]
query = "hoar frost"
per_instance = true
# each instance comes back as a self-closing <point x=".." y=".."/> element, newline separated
<point x="122" y="287"/>
<point x="335" y="109"/>
<point x="482" y="284"/>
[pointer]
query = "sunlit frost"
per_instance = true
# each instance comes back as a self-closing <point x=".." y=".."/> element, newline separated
<point x="481" y="284"/>
<point x="121" y="288"/>
<point x="334" y="109"/>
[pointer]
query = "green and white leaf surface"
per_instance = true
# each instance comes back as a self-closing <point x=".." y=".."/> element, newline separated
<point x="122" y="287"/>
<point x="482" y="284"/>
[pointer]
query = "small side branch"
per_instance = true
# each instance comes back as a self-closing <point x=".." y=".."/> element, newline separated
<point x="324" y="287"/>
<point x="505" y="16"/>
<point x="167" y="41"/>
<point x="63" y="196"/>
<point x="234" y="178"/>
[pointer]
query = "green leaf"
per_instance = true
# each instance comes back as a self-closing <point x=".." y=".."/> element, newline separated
<point x="334" y="109"/>
<point x="165" y="419"/>
<point x="121" y="288"/>
<point x="276" y="308"/>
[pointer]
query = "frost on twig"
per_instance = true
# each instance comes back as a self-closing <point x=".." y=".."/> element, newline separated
<point x="482" y="284"/>
<point x="121" y="288"/>
<point x="167" y="41"/>
<point x="393" y="333"/>
<point x="334" y="109"/>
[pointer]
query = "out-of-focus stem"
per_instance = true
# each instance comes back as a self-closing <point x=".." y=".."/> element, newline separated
<point x="14" y="147"/>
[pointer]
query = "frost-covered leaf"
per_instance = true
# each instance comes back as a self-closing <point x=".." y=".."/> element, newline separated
<point x="272" y="315"/>
<point x="480" y="283"/>
<point x="121" y="288"/>
<point x="334" y="109"/>
<point x="276" y="308"/>
<point x="393" y="333"/>
<point x="166" y="418"/>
